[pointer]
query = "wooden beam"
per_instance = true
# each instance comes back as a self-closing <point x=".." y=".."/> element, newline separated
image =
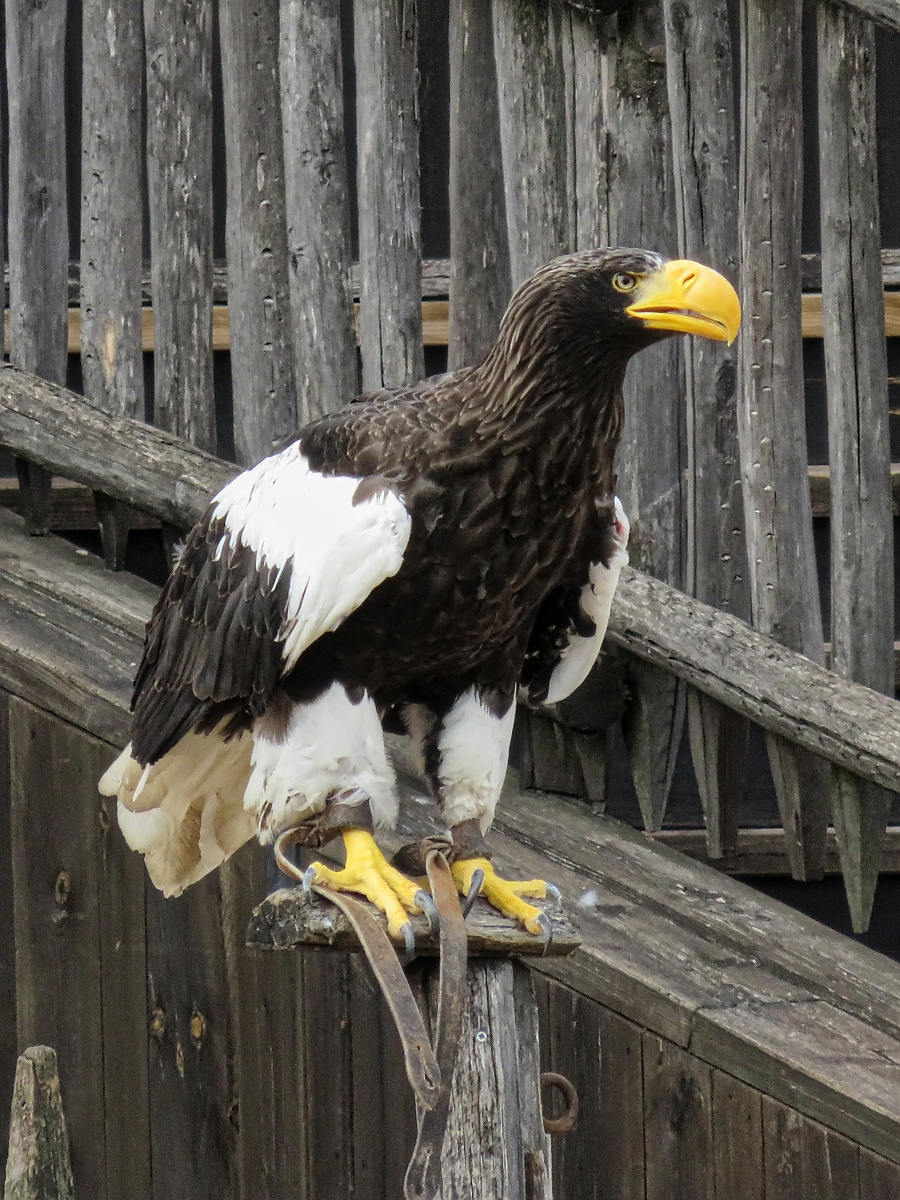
<point x="885" y="13"/>
<point x="812" y="270"/>
<point x="762" y="851"/>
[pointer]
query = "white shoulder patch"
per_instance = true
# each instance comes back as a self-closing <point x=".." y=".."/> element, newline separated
<point x="596" y="600"/>
<point x="337" y="552"/>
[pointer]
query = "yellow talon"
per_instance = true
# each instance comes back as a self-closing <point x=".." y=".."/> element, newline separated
<point x="368" y="872"/>
<point x="503" y="894"/>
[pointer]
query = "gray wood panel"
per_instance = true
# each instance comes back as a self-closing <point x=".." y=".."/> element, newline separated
<point x="620" y="1165"/>
<point x="678" y="1131"/>
<point x="178" y="43"/>
<point x="262" y="374"/>
<point x="736" y="1113"/>
<point x="8" y="1043"/>
<point x="862" y="527"/>
<point x="784" y="589"/>
<point x="701" y="92"/>
<point x="480" y="280"/>
<point x="587" y="43"/>
<point x="390" y="245"/>
<point x="652" y="452"/>
<point x="803" y="1159"/>
<point x="317" y="205"/>
<point x="882" y="12"/>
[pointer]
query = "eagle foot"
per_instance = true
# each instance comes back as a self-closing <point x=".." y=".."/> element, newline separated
<point x="369" y="873"/>
<point x="503" y="894"/>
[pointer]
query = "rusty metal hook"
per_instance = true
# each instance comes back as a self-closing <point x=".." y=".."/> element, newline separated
<point x="564" y="1123"/>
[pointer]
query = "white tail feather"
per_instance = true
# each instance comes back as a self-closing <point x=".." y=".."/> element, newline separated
<point x="184" y="813"/>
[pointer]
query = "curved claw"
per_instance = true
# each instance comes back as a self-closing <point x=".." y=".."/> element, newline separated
<point x="554" y="893"/>
<point x="409" y="940"/>
<point x="309" y="878"/>
<point x="472" y="893"/>
<point x="546" y="934"/>
<point x="429" y="908"/>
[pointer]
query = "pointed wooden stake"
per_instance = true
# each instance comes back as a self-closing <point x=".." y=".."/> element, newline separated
<point x="719" y="751"/>
<point x="802" y="786"/>
<point x="652" y="729"/>
<point x="860" y="811"/>
<point x="114" y="519"/>
<point x="38" y="1166"/>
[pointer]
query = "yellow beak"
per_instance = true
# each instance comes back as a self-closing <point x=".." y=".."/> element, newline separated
<point x="685" y="297"/>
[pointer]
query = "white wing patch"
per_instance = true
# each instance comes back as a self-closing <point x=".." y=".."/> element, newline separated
<point x="596" y="600"/>
<point x="337" y="552"/>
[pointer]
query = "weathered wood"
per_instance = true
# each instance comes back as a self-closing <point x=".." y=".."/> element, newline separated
<point x="736" y="1117"/>
<point x="8" y="1046"/>
<point x="762" y="852"/>
<point x="112" y="367"/>
<point x="652" y="452"/>
<point x="390" y="248"/>
<point x="862" y="533"/>
<point x="620" y="1166"/>
<point x="38" y="215"/>
<point x="878" y="1178"/>
<point x="38" y="1167"/>
<point x="882" y="12"/>
<point x="54" y="769"/>
<point x="289" y="918"/>
<point x="318" y="212"/>
<point x="701" y="91"/>
<point x="783" y="582"/>
<point x="531" y="97"/>
<point x="677" y="1123"/>
<point x="803" y="1159"/>
<point x="265" y="402"/>
<point x="178" y="42"/>
<point x="586" y="45"/>
<point x="812" y="270"/>
<point x="480" y="281"/>
<point x="491" y="1143"/>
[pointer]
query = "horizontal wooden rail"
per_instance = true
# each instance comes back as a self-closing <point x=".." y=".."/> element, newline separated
<point x="812" y="270"/>
<point x="780" y="690"/>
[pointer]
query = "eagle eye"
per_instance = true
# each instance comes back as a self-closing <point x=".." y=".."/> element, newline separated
<point x="624" y="282"/>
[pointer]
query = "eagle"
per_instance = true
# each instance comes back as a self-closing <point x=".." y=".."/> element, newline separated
<point x="415" y="561"/>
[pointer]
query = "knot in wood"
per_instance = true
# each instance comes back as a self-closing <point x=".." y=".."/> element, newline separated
<point x="157" y="1023"/>
<point x="198" y="1027"/>
<point x="62" y="889"/>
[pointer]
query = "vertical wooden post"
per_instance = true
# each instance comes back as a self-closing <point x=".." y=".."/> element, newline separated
<point x="178" y="38"/>
<point x="701" y="100"/>
<point x="586" y="44"/>
<point x="531" y="96"/>
<point x="390" y="247"/>
<point x="38" y="1166"/>
<point x="652" y="451"/>
<point x="862" y="582"/>
<point x="38" y="215"/>
<point x="480" y="283"/>
<point x="265" y="405"/>
<point x="784" y="589"/>
<point x="112" y="366"/>
<point x="318" y="211"/>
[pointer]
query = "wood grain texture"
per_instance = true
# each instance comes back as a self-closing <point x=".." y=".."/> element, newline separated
<point x="8" y="1045"/>
<point x="678" y="1129"/>
<point x="701" y="91"/>
<point x="390" y="247"/>
<point x="317" y="205"/>
<point x="38" y="1164"/>
<point x="736" y="1115"/>
<point x="652" y="452"/>
<point x="112" y="367"/>
<point x="587" y="40"/>
<point x="178" y="45"/>
<point x="878" y="1178"/>
<point x="862" y="532"/>
<point x="480" y="280"/>
<point x="804" y="1159"/>
<point x="620" y="1166"/>
<point x="262" y="374"/>
<point x="784" y="590"/>
<point x="531" y="95"/>
<point x="882" y="12"/>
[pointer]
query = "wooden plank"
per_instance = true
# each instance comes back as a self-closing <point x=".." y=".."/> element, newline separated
<point x="878" y="1178"/>
<point x="652" y="452"/>
<point x="390" y="247"/>
<point x="587" y="48"/>
<point x="8" y="1043"/>
<point x="317" y="204"/>
<point x="698" y="48"/>
<point x="262" y="374"/>
<point x="54" y="826"/>
<point x="862" y="530"/>
<point x="193" y="1153"/>
<point x="38" y="1163"/>
<point x="531" y="98"/>
<point x="736" y="1114"/>
<point x="112" y="367"/>
<point x="620" y="1129"/>
<point x="812" y="276"/>
<point x="762" y="852"/>
<point x="882" y="12"/>
<point x="178" y="44"/>
<point x="480" y="280"/>
<point x="772" y="426"/>
<point x="38" y="218"/>
<point x="803" y="1159"/>
<point x="677" y="1123"/>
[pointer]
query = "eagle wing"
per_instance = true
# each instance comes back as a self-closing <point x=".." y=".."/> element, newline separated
<point x="283" y="554"/>
<point x="571" y="623"/>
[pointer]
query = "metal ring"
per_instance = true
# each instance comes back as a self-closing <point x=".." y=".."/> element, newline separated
<point x="565" y="1122"/>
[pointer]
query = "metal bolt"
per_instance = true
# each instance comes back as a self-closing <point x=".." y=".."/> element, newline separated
<point x="481" y="1036"/>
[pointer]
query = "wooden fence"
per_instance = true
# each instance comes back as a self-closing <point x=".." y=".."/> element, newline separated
<point x="569" y="128"/>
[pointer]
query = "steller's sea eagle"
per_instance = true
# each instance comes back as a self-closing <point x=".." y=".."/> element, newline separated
<point x="418" y="557"/>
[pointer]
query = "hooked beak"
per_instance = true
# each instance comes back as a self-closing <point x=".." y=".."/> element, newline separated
<point x="686" y="297"/>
